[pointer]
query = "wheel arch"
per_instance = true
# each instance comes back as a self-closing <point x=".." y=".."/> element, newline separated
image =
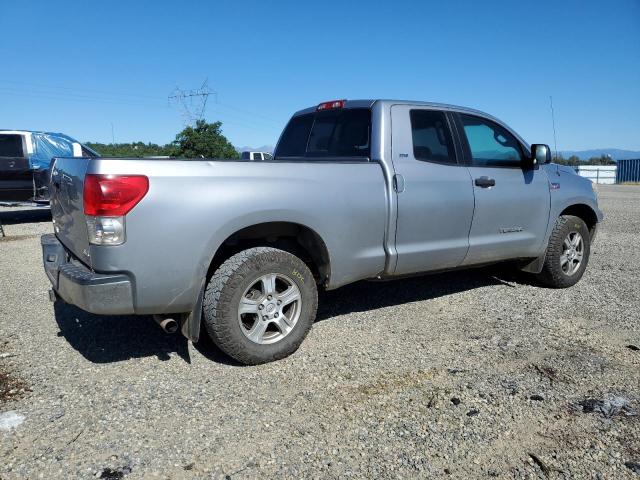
<point x="292" y="237"/>
<point x="578" y="209"/>
<point x="585" y="212"/>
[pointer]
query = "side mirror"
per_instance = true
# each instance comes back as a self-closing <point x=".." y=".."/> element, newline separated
<point x="540" y="154"/>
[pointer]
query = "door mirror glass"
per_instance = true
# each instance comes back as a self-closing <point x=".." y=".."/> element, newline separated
<point x="540" y="154"/>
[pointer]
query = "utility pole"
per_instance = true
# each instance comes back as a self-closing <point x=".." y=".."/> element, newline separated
<point x="113" y="137"/>
<point x="191" y="103"/>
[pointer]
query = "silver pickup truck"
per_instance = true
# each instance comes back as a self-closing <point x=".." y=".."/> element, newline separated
<point x="365" y="189"/>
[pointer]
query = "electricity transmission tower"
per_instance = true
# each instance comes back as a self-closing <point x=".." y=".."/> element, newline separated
<point x="192" y="103"/>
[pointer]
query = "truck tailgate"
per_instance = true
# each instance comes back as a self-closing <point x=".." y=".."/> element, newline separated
<point x="67" y="210"/>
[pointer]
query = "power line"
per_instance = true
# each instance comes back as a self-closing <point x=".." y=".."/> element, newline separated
<point x="254" y="124"/>
<point x="79" y="97"/>
<point x="248" y="113"/>
<point x="81" y="89"/>
<point x="244" y="118"/>
<point x="57" y="92"/>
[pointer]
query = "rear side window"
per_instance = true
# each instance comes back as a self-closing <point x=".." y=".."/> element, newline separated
<point x="490" y="144"/>
<point x="11" y="145"/>
<point x="294" y="139"/>
<point x="334" y="133"/>
<point x="431" y="137"/>
<point x="340" y="133"/>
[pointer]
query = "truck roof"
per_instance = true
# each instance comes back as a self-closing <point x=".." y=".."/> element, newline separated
<point x="368" y="103"/>
<point x="40" y="132"/>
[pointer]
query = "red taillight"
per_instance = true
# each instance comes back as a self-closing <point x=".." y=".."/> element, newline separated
<point x="113" y="195"/>
<point x="331" y="105"/>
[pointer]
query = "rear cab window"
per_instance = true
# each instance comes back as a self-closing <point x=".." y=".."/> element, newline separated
<point x="88" y="153"/>
<point x="339" y="133"/>
<point x="11" y="145"/>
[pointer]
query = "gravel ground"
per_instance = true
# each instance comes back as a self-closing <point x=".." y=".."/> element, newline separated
<point x="462" y="375"/>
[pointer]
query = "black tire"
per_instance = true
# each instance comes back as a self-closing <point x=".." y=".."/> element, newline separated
<point x="552" y="274"/>
<point x="226" y="289"/>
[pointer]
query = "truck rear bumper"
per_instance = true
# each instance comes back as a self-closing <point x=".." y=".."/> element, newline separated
<point x="100" y="293"/>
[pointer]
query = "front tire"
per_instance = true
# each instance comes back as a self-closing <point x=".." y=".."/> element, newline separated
<point x="567" y="254"/>
<point x="260" y="304"/>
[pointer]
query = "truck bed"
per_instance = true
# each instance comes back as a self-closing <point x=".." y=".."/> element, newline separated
<point x="194" y="206"/>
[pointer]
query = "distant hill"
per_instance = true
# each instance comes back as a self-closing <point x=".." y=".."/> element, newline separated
<point x="264" y="148"/>
<point x="616" y="153"/>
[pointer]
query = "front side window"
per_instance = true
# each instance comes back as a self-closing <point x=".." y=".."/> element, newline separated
<point x="491" y="145"/>
<point x="431" y="137"/>
<point x="333" y="133"/>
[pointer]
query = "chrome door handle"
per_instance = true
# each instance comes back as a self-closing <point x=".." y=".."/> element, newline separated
<point x="485" y="182"/>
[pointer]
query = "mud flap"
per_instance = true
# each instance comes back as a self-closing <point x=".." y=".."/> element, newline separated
<point x="536" y="265"/>
<point x="191" y="324"/>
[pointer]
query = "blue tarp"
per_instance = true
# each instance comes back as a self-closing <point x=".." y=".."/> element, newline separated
<point x="49" y="145"/>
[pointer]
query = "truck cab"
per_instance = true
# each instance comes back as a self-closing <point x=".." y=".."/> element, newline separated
<point x="25" y="159"/>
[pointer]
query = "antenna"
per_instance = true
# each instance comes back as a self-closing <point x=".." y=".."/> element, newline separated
<point x="553" y="121"/>
<point x="192" y="103"/>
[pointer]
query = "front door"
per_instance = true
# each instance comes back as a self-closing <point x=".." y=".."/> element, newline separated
<point x="434" y="192"/>
<point x="512" y="204"/>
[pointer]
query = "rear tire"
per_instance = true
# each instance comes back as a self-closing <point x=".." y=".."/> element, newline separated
<point x="260" y="304"/>
<point x="567" y="254"/>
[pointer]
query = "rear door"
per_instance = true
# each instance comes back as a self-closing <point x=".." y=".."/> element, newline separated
<point x="16" y="182"/>
<point x="435" y="196"/>
<point x="511" y="204"/>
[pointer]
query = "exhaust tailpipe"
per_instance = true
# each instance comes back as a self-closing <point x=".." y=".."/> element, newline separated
<point x="168" y="324"/>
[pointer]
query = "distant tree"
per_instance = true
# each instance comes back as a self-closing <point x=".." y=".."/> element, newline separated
<point x="601" y="160"/>
<point x="134" y="149"/>
<point x="574" y="161"/>
<point x="203" y="140"/>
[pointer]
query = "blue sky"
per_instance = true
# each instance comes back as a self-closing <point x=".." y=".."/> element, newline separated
<point x="78" y="67"/>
